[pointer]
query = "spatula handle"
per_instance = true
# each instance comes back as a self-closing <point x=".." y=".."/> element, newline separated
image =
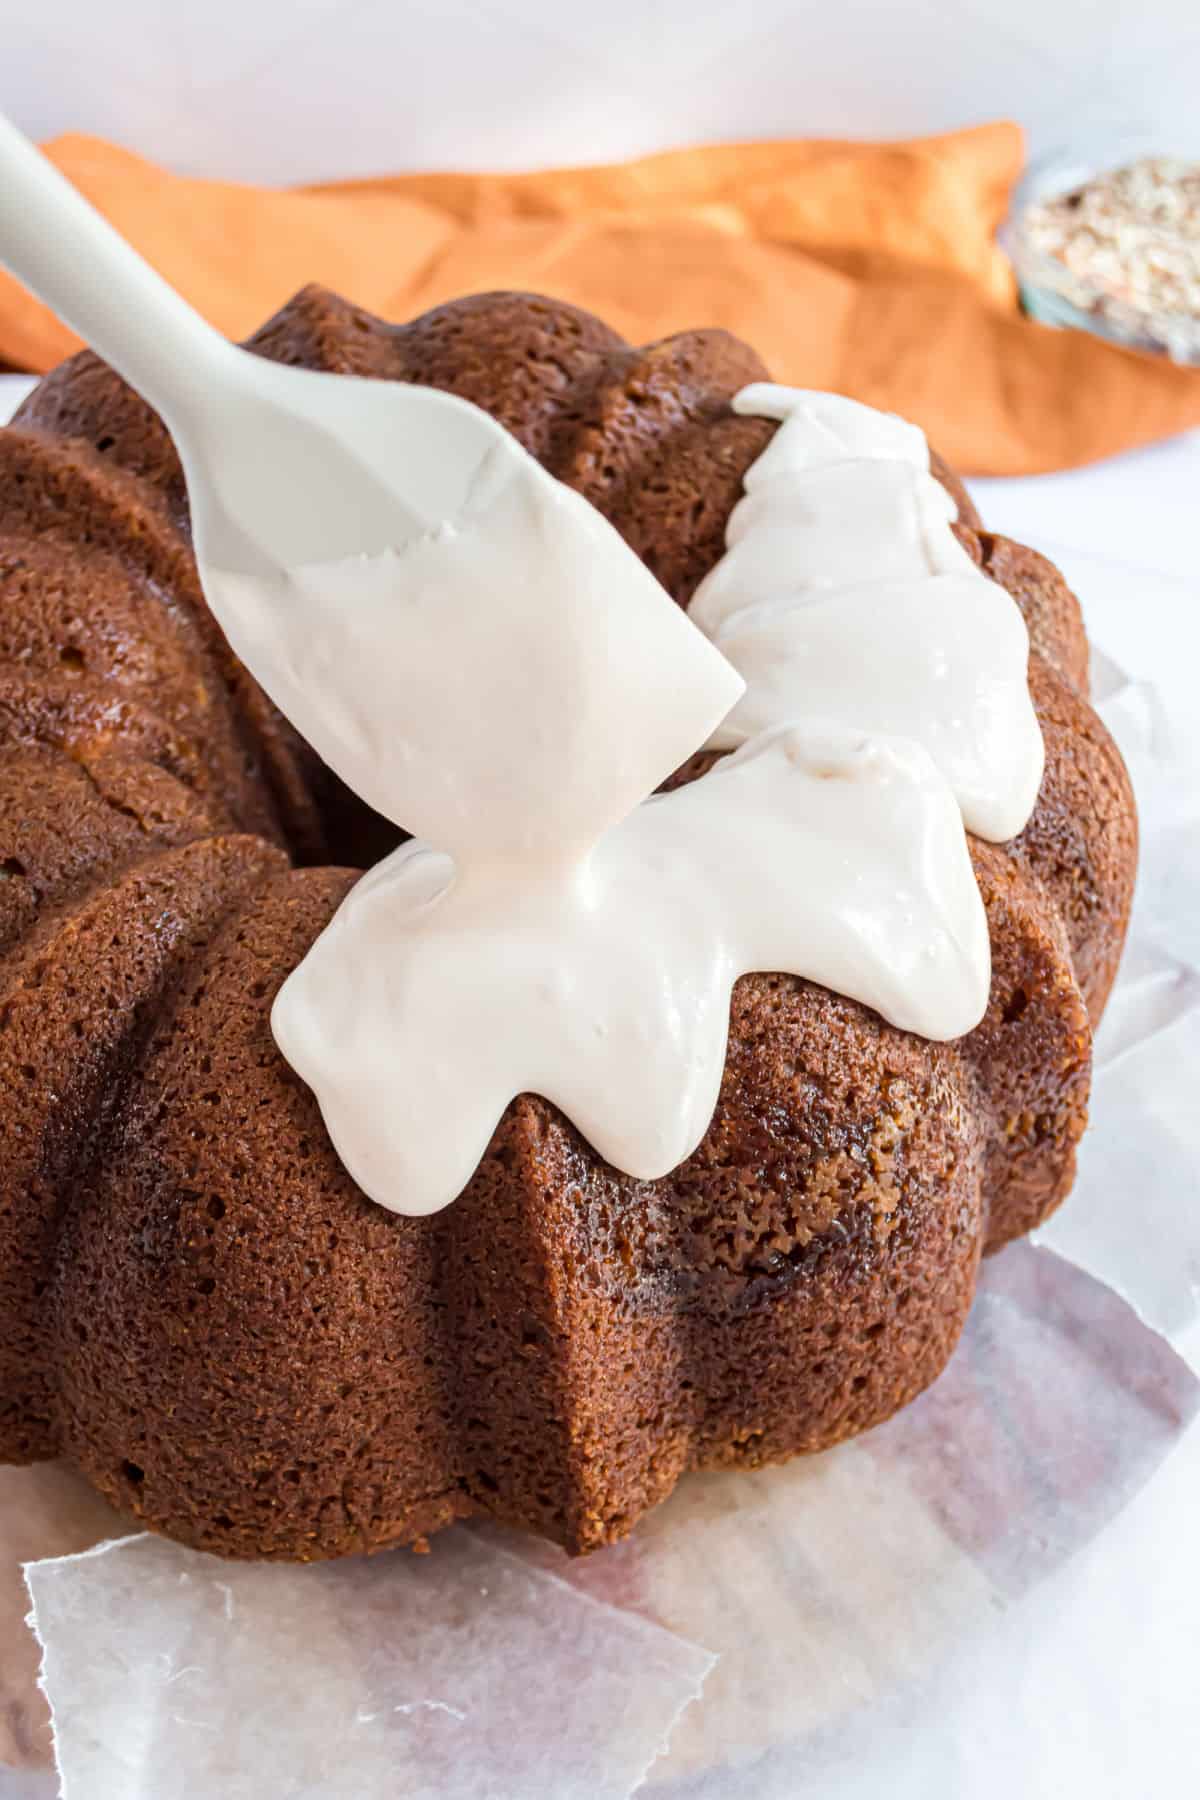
<point x="59" y="246"/>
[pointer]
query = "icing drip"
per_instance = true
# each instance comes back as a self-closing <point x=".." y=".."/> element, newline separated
<point x="436" y="995"/>
<point x="844" y="593"/>
<point x="513" y="684"/>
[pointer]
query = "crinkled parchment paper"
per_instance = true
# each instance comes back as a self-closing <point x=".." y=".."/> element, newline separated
<point x="995" y="1593"/>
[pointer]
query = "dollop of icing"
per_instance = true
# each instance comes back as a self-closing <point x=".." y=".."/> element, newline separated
<point x="513" y="685"/>
<point x="843" y="592"/>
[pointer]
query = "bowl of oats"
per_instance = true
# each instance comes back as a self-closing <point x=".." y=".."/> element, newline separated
<point x="1107" y="240"/>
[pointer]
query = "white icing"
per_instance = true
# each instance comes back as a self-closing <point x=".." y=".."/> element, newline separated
<point x="845" y="595"/>
<point x="507" y="685"/>
<point x="513" y="684"/>
<point x="604" y="983"/>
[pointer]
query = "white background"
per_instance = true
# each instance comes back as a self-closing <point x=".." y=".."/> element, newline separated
<point x="278" y="90"/>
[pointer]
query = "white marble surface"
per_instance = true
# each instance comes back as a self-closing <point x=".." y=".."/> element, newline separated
<point x="28" y="1784"/>
<point x="1138" y="509"/>
<point x="300" y="89"/>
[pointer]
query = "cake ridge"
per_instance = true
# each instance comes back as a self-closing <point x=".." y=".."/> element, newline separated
<point x="75" y="1074"/>
<point x="241" y="1350"/>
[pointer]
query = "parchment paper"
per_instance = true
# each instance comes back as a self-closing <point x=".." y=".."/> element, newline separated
<point x="995" y="1593"/>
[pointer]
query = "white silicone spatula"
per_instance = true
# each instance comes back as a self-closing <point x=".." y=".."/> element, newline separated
<point x="402" y="578"/>
<point x="384" y="460"/>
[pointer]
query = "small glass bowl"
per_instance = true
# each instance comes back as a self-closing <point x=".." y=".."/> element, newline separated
<point x="1056" y="295"/>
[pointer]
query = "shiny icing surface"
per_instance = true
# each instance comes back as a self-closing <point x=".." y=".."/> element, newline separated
<point x="513" y="685"/>
<point x="494" y="684"/>
<point x="843" y="592"/>
<point x="439" y="992"/>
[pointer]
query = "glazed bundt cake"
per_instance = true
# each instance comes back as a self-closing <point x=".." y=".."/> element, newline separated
<point x="200" y="1308"/>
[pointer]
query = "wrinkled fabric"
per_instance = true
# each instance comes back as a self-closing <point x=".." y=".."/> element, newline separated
<point x="869" y="268"/>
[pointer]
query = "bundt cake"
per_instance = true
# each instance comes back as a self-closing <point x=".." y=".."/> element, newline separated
<point x="200" y="1308"/>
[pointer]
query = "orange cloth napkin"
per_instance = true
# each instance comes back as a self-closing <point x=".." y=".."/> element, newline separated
<point x="869" y="268"/>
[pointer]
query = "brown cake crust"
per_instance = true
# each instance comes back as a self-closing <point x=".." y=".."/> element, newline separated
<point x="198" y="1304"/>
